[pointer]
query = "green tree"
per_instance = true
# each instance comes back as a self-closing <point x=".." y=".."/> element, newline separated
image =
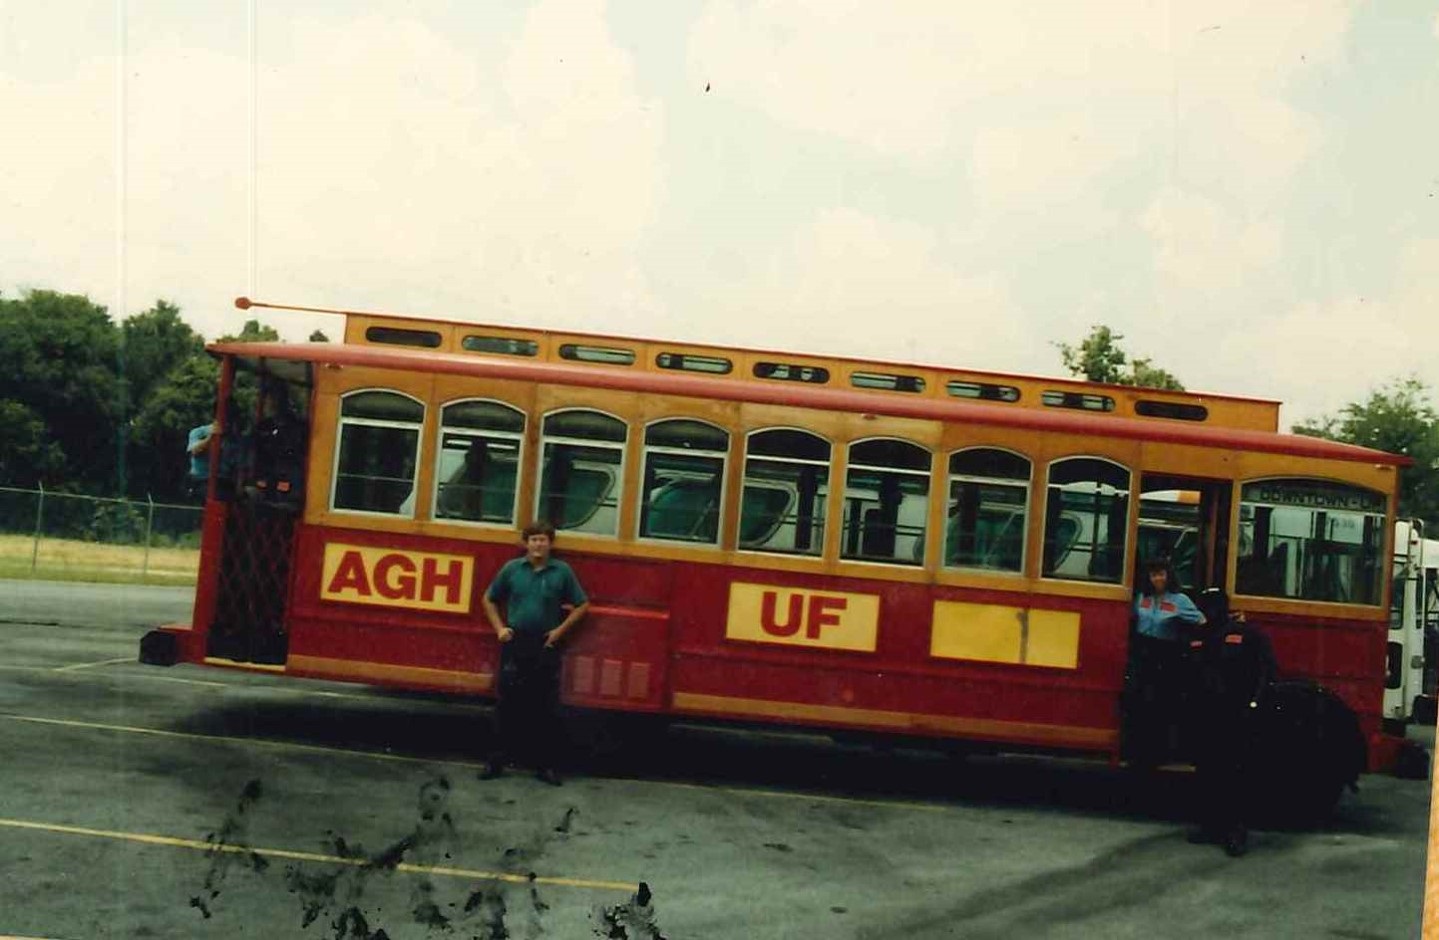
<point x="59" y="360"/>
<point x="183" y="399"/>
<point x="1399" y="418"/>
<point x="319" y="337"/>
<point x="156" y="341"/>
<point x="27" y="453"/>
<point x="253" y="332"/>
<point x="1099" y="358"/>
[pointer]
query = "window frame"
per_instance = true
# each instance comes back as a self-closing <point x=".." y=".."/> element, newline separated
<point x="642" y="497"/>
<point x="434" y="515"/>
<point x="1125" y="562"/>
<point x="1383" y="562"/>
<point x="622" y="446"/>
<point x="1028" y="486"/>
<point x="342" y="420"/>
<point x="849" y="465"/>
<point x="798" y="461"/>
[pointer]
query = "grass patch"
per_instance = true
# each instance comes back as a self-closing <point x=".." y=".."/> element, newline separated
<point x="74" y="560"/>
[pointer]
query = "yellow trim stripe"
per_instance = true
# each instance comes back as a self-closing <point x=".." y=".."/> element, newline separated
<point x="1064" y="735"/>
<point x="236" y="664"/>
<point x="361" y="670"/>
<point x="143" y="838"/>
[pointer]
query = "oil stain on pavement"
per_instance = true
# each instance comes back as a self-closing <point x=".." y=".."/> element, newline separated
<point x="340" y="896"/>
<point x="222" y="855"/>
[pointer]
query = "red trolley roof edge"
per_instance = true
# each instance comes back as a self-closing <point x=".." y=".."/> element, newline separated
<point x="758" y="392"/>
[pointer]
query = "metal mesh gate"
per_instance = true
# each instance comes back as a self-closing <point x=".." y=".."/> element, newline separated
<point x="249" y="624"/>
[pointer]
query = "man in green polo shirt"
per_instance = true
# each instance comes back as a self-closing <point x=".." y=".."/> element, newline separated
<point x="534" y="590"/>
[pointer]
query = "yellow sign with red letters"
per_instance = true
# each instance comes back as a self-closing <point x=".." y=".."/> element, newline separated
<point x="766" y="613"/>
<point x="388" y="577"/>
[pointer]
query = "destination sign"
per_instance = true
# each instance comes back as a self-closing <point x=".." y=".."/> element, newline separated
<point x="1314" y="494"/>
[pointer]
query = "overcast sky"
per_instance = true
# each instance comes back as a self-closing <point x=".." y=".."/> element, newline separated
<point x="1249" y="192"/>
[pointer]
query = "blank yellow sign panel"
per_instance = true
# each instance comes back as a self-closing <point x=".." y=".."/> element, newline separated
<point x="997" y="633"/>
<point x="988" y="632"/>
<point x="1053" y="639"/>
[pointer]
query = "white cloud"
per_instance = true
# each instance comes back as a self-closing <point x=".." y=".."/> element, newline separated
<point x="971" y="182"/>
<point x="398" y="167"/>
<point x="1053" y="163"/>
<point x="1321" y="355"/>
<point x="58" y="182"/>
<point x="921" y="77"/>
<point x="1200" y="248"/>
<point x="851" y="283"/>
<point x="514" y="193"/>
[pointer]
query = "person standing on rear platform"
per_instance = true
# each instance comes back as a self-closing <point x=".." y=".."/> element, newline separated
<point x="534" y="591"/>
<point x="1151" y="703"/>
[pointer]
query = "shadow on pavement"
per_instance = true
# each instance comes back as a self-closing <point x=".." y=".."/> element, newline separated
<point x="429" y="729"/>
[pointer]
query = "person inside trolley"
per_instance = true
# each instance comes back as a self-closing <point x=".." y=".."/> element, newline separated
<point x="1156" y="680"/>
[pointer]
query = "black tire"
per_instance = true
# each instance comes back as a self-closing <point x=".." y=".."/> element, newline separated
<point x="1308" y="747"/>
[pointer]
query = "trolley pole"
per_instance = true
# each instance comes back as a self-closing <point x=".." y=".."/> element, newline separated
<point x="149" y="527"/>
<point x="39" y="515"/>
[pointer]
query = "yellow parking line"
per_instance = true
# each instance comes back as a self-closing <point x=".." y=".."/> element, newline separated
<point x="143" y="838"/>
<point x="844" y="800"/>
<point x="177" y="679"/>
<point x="227" y="739"/>
<point x="789" y="795"/>
<point x="475" y="765"/>
<point x="104" y="662"/>
<point x="295" y="688"/>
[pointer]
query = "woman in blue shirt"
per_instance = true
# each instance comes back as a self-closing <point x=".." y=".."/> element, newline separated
<point x="1160" y="609"/>
<point x="1154" y="684"/>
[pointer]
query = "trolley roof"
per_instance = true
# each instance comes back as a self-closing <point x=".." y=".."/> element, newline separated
<point x="286" y="360"/>
<point x="736" y="363"/>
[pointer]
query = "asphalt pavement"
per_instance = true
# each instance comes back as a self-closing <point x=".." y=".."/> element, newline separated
<point x="140" y="801"/>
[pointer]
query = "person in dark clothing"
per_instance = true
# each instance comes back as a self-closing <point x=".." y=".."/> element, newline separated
<point x="279" y="448"/>
<point x="1236" y="667"/>
<point x="534" y="590"/>
<point x="1150" y="704"/>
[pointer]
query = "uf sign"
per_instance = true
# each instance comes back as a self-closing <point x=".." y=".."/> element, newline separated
<point x="765" y="613"/>
<point x="360" y="574"/>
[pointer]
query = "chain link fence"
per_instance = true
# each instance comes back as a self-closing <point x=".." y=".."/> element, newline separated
<point x="64" y="536"/>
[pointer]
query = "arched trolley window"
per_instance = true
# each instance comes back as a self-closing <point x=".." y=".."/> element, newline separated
<point x="581" y="471"/>
<point x="988" y="514"/>
<point x="478" y="470"/>
<point x="379" y="448"/>
<point x="1086" y="520"/>
<point x="683" y="481"/>
<point x="1312" y="540"/>
<point x="786" y="492"/>
<point x="886" y="502"/>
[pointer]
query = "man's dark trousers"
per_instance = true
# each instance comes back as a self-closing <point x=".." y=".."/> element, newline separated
<point x="527" y="725"/>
